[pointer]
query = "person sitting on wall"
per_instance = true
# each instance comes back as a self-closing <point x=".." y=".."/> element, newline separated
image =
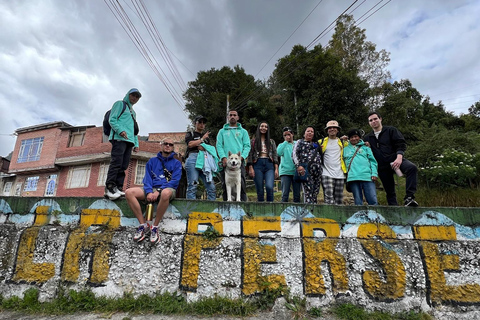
<point x="162" y="176"/>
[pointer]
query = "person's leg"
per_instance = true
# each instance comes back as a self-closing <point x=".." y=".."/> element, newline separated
<point x="317" y="182"/>
<point x="356" y="188"/>
<point x="116" y="161"/>
<point x="410" y="170"/>
<point x="224" y="186"/>
<point x="259" y="168"/>
<point x="328" y="186"/>
<point x="133" y="195"/>
<point x="269" y="180"/>
<point x="209" y="186"/>
<point x="125" y="162"/>
<point x="243" y="192"/>
<point x="370" y="192"/>
<point x="286" y="182"/>
<point x="192" y="176"/>
<point x="338" y="185"/>
<point x="296" y="186"/>
<point x="167" y="195"/>
<point x="388" y="182"/>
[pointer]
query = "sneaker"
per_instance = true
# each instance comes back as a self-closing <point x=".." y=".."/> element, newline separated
<point x="410" y="202"/>
<point x="154" y="237"/>
<point x="120" y="191"/>
<point x="141" y="232"/>
<point x="112" y="193"/>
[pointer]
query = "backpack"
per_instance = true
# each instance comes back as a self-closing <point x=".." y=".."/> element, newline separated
<point x="106" y="124"/>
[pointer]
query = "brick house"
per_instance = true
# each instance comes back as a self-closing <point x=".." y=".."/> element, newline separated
<point x="58" y="159"/>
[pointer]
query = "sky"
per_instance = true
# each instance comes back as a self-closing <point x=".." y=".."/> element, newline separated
<point x="71" y="60"/>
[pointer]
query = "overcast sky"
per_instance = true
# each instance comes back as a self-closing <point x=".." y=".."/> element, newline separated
<point x="69" y="61"/>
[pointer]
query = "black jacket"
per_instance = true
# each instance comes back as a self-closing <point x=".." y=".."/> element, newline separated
<point x="390" y="142"/>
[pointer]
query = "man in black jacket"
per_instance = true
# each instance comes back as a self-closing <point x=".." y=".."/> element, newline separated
<point x="388" y="147"/>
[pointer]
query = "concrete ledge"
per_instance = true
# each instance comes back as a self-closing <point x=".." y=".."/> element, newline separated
<point x="387" y="258"/>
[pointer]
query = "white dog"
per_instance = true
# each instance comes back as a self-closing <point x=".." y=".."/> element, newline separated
<point x="233" y="176"/>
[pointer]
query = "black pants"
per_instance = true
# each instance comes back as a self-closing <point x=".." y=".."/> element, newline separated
<point x="386" y="175"/>
<point x="120" y="157"/>
<point x="243" y="192"/>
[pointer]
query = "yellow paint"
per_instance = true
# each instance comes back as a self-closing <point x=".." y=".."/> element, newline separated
<point x="437" y="264"/>
<point x="255" y="254"/>
<point x="97" y="243"/>
<point x="390" y="284"/>
<point x="26" y="269"/>
<point x="41" y="216"/>
<point x="193" y="244"/>
<point x="317" y="252"/>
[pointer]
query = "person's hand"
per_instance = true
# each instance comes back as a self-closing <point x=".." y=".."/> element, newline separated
<point x="276" y="173"/>
<point x="251" y="172"/>
<point x="301" y="170"/>
<point x="152" y="197"/>
<point x="367" y="143"/>
<point x="135" y="149"/>
<point x="224" y="162"/>
<point x="374" y="178"/>
<point x="205" y="136"/>
<point x="396" y="164"/>
<point x="344" y="137"/>
<point x="123" y="134"/>
<point x="201" y="148"/>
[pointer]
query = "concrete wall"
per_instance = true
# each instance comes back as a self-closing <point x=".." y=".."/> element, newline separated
<point x="388" y="258"/>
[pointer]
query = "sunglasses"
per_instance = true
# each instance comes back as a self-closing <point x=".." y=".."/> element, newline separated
<point x="168" y="144"/>
<point x="135" y="94"/>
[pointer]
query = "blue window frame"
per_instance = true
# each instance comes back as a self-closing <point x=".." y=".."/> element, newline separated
<point x="30" y="150"/>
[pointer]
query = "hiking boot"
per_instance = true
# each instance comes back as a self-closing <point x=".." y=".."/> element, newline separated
<point x="154" y="237"/>
<point x="141" y="232"/>
<point x="120" y="191"/>
<point x="410" y="202"/>
<point x="111" y="192"/>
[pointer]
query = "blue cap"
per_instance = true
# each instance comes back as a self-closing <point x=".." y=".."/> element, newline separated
<point x="134" y="90"/>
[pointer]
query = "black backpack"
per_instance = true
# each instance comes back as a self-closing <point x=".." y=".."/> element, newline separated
<point x="106" y="124"/>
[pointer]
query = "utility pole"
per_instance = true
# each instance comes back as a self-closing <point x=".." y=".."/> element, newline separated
<point x="296" y="110"/>
<point x="228" y="104"/>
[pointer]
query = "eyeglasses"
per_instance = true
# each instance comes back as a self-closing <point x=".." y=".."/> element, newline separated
<point x="168" y="144"/>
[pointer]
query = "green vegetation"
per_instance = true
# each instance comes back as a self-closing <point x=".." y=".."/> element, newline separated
<point x="211" y="233"/>
<point x="173" y="303"/>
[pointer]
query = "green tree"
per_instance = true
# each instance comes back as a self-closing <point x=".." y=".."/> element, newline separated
<point x="349" y="43"/>
<point x="207" y="95"/>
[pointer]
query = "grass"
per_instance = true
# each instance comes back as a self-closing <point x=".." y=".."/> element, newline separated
<point x="172" y="303"/>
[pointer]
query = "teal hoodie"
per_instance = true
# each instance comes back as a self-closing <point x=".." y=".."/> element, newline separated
<point x="122" y="123"/>
<point x="284" y="151"/>
<point x="233" y="139"/>
<point x="364" y="165"/>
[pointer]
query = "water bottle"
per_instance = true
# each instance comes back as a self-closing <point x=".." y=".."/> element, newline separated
<point x="149" y="212"/>
<point x="397" y="171"/>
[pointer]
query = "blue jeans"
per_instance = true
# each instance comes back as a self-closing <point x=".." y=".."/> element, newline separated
<point x="192" y="179"/>
<point x="264" y="172"/>
<point x="287" y="181"/>
<point x="369" y="191"/>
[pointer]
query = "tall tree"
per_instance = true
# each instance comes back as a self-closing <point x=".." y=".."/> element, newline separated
<point x="350" y="44"/>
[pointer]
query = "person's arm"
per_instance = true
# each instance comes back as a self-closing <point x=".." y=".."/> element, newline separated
<point x="373" y="164"/>
<point x="220" y="146"/>
<point x="281" y="149"/>
<point x="147" y="179"/>
<point x="246" y="144"/>
<point x="295" y="155"/>
<point x="274" y="151"/>
<point x="176" y="176"/>
<point x="114" y="118"/>
<point x="400" y="145"/>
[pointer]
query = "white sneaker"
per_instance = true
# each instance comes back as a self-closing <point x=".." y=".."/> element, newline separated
<point x="112" y="193"/>
<point x="122" y="194"/>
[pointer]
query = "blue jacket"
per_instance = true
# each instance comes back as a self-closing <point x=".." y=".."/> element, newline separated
<point x="364" y="165"/>
<point x="154" y="174"/>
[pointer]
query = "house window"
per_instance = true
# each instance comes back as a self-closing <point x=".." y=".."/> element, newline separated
<point x="31" y="183"/>
<point x="140" y="172"/>
<point x="102" y="174"/>
<point x="30" y="150"/>
<point x="51" y="184"/>
<point x="18" y="189"/>
<point x="7" y="187"/>
<point x="76" y="139"/>
<point x="78" y="177"/>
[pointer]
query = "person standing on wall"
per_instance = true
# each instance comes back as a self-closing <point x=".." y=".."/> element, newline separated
<point x="287" y="167"/>
<point x="162" y="175"/>
<point x="263" y="162"/>
<point x="333" y="176"/>
<point x="197" y="141"/>
<point x="388" y="146"/>
<point x="123" y="137"/>
<point x="232" y="137"/>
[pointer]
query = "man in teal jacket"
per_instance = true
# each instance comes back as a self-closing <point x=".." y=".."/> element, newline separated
<point x="123" y="140"/>
<point x="232" y="137"/>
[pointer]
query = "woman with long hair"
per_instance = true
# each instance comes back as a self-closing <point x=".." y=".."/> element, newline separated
<point x="263" y="162"/>
<point x="308" y="161"/>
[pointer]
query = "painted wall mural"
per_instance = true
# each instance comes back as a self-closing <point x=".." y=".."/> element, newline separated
<point x="393" y="256"/>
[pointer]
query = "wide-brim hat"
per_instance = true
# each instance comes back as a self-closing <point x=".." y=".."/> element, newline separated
<point x="332" y="124"/>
